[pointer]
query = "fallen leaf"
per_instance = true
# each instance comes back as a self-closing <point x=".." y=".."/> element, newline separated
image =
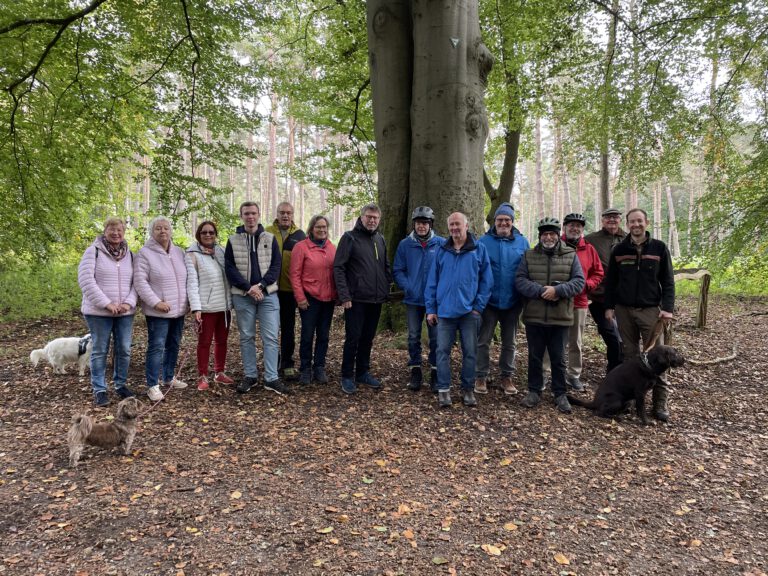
<point x="236" y="495"/>
<point x="561" y="559"/>
<point x="408" y="534"/>
<point x="511" y="526"/>
<point x="438" y="560"/>
<point x="326" y="530"/>
<point x="491" y="550"/>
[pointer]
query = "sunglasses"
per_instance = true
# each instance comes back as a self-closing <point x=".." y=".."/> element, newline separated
<point x="208" y="233"/>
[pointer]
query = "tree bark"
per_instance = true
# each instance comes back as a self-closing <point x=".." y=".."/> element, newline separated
<point x="539" y="194"/>
<point x="674" y="238"/>
<point x="270" y="206"/>
<point x="607" y="97"/>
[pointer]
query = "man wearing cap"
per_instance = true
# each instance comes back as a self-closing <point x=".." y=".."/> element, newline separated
<point x="639" y="292"/>
<point x="413" y="260"/>
<point x="549" y="276"/>
<point x="287" y="234"/>
<point x="604" y="240"/>
<point x="457" y="291"/>
<point x="506" y="246"/>
<point x="593" y="275"/>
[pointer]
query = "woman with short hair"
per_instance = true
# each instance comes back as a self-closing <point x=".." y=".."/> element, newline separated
<point x="160" y="277"/>
<point x="105" y="276"/>
<point x="315" y="291"/>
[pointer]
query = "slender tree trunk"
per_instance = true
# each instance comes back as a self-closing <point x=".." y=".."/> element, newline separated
<point x="271" y="208"/>
<point x="540" y="210"/>
<point x="249" y="167"/>
<point x="607" y="103"/>
<point x="657" y="210"/>
<point x="674" y="237"/>
<point x="580" y="191"/>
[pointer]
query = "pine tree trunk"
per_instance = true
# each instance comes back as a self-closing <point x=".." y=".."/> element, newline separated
<point x="540" y="210"/>
<point x="270" y="207"/>
<point x="607" y="99"/>
<point x="674" y="239"/>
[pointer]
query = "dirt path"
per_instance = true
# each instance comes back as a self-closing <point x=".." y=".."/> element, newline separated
<point x="320" y="483"/>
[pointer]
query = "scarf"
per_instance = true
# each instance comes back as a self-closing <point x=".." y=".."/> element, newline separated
<point x="118" y="252"/>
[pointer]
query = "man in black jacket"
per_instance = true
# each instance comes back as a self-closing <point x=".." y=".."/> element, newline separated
<point x="640" y="290"/>
<point x="362" y="275"/>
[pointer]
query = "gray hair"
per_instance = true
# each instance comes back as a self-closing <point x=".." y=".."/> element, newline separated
<point x="155" y="220"/>
<point x="466" y="220"/>
<point x="313" y="221"/>
<point x="370" y="207"/>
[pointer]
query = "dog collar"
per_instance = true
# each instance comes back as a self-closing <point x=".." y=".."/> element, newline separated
<point x="644" y="360"/>
<point x="82" y="344"/>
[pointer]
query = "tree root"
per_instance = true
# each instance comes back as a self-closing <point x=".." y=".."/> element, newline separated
<point x="714" y="361"/>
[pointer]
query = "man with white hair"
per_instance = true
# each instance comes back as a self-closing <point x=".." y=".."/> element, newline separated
<point x="458" y="288"/>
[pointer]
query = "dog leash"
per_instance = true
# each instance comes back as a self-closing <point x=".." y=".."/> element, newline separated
<point x="170" y="386"/>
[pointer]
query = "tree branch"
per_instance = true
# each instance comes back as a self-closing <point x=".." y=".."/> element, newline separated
<point x="194" y="86"/>
<point x="62" y="22"/>
<point x="357" y="106"/>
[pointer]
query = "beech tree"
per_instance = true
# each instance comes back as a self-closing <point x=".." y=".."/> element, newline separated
<point x="428" y="68"/>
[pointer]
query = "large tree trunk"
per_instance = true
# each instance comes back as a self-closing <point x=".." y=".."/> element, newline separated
<point x="607" y="99"/>
<point x="449" y="123"/>
<point x="503" y="193"/>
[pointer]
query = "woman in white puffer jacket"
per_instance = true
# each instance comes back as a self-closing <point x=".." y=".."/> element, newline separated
<point x="210" y="300"/>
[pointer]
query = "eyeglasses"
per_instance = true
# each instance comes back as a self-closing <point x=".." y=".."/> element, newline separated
<point x="208" y="233"/>
<point x="612" y="217"/>
<point x="285" y="213"/>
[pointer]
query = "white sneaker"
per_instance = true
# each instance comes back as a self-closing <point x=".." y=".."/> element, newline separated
<point x="154" y="393"/>
<point x="176" y="383"/>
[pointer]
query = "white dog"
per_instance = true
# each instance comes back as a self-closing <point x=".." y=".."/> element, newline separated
<point x="63" y="351"/>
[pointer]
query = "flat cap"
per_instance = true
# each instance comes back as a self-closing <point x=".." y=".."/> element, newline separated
<point x="611" y="212"/>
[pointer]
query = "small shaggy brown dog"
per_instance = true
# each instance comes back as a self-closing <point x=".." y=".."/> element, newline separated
<point x="120" y="432"/>
<point x="631" y="381"/>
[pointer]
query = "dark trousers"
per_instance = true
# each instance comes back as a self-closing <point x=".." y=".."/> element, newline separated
<point x="287" y="328"/>
<point x="609" y="335"/>
<point x="360" y="323"/>
<point x="552" y="339"/>
<point x="315" y="324"/>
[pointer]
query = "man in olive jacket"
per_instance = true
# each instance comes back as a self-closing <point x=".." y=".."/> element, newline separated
<point x="362" y="275"/>
<point x="549" y="276"/>
<point x="287" y="234"/>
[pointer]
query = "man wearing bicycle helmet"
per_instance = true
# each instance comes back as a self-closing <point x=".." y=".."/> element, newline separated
<point x="549" y="277"/>
<point x="413" y="259"/>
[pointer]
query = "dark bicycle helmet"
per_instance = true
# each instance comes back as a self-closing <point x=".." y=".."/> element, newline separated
<point x="575" y="217"/>
<point x="549" y="224"/>
<point x="423" y="213"/>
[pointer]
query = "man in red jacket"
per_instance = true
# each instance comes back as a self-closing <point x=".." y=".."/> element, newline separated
<point x="593" y="274"/>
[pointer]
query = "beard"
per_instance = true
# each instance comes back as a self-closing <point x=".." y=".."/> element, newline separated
<point x="549" y="244"/>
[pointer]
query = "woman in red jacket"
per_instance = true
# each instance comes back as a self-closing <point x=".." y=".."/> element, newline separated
<point x="315" y="292"/>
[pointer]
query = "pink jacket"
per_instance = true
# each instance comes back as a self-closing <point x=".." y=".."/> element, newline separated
<point x="104" y="280"/>
<point x="312" y="271"/>
<point x="161" y="276"/>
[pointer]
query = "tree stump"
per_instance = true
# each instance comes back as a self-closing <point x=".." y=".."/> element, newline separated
<point x="704" y="277"/>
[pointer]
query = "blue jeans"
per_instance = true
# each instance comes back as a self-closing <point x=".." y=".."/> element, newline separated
<point x="468" y="327"/>
<point x="102" y="328"/>
<point x="552" y="339"/>
<point x="415" y="316"/>
<point x="267" y="312"/>
<point x="315" y="324"/>
<point x="163" y="343"/>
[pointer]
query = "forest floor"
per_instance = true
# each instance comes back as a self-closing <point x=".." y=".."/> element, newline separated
<point x="387" y="483"/>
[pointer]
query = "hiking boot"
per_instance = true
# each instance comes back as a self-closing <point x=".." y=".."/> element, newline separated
<point x="468" y="397"/>
<point x="202" y="383"/>
<point x="562" y="404"/>
<point x="481" y="386"/>
<point x="444" y="398"/>
<point x="124" y="392"/>
<point x="222" y="378"/>
<point x="247" y="383"/>
<point x="348" y="386"/>
<point x="660" y="395"/>
<point x="368" y="380"/>
<point x="575" y="384"/>
<point x="176" y="383"/>
<point x="320" y="376"/>
<point x="278" y="387"/>
<point x="290" y="373"/>
<point x="416" y="379"/>
<point x="508" y="386"/>
<point x="531" y="399"/>
<point x="154" y="393"/>
<point x="305" y="377"/>
<point x="100" y="400"/>
<point x="433" y="379"/>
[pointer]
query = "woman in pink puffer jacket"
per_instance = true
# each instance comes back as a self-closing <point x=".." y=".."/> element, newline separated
<point x="160" y="278"/>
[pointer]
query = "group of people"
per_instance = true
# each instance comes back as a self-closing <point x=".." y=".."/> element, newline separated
<point x="470" y="286"/>
<point x="460" y="285"/>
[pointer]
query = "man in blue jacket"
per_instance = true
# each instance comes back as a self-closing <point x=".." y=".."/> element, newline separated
<point x="457" y="292"/>
<point x="506" y="246"/>
<point x="413" y="260"/>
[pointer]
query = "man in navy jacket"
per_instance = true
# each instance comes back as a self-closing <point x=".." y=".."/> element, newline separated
<point x="413" y="259"/>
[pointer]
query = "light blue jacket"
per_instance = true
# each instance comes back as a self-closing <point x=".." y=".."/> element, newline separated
<point x="505" y="254"/>
<point x="412" y="264"/>
<point x="459" y="282"/>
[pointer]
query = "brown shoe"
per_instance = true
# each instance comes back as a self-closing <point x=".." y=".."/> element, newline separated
<point x="481" y="386"/>
<point x="508" y="386"/>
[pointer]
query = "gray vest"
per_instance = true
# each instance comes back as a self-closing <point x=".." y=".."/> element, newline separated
<point x="239" y="244"/>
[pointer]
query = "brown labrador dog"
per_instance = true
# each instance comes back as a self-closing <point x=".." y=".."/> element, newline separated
<point x="631" y="381"/>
